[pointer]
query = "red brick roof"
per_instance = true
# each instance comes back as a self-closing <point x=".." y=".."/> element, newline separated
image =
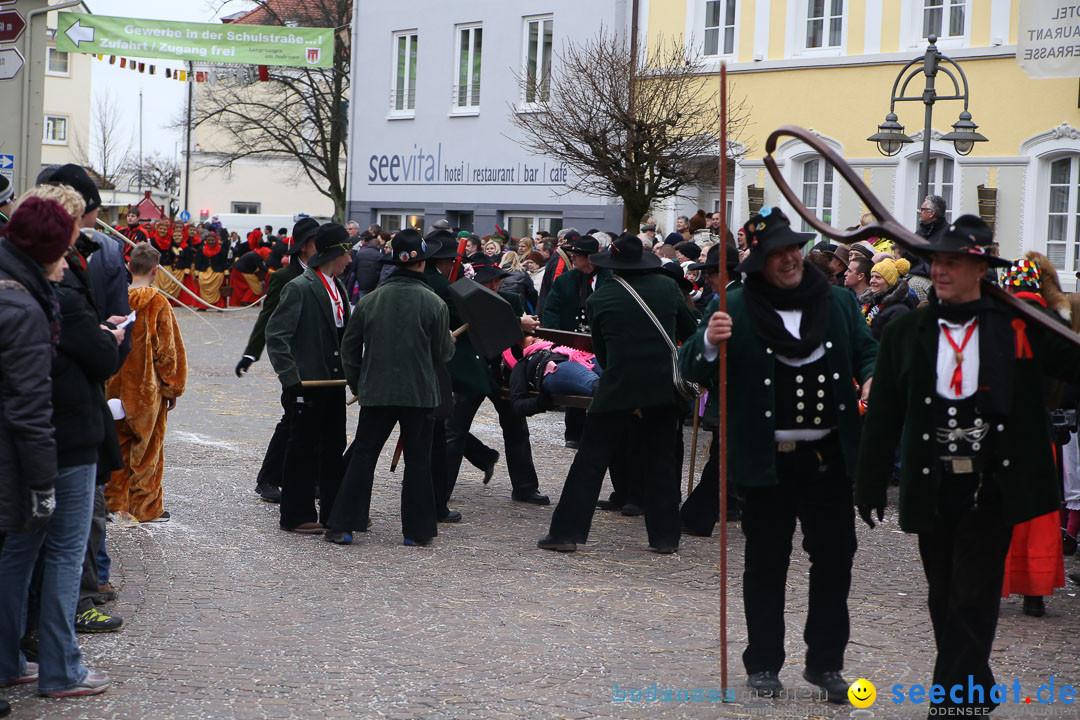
<point x="306" y="13"/>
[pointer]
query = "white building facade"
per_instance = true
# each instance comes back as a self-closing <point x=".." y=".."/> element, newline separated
<point x="434" y="86"/>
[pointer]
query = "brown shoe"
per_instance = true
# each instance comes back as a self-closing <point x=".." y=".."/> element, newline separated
<point x="308" y="528"/>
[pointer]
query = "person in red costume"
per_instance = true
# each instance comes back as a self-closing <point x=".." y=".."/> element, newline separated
<point x="210" y="263"/>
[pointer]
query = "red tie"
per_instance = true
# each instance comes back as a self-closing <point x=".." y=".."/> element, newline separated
<point x="957" y="382"/>
<point x="335" y="298"/>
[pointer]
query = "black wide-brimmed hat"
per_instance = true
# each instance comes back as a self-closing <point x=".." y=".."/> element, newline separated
<point x="583" y="245"/>
<point x="767" y="230"/>
<point x="626" y="253"/>
<point x="712" y="259"/>
<point x="301" y="232"/>
<point x="966" y="235"/>
<point x="674" y="271"/>
<point x="448" y="244"/>
<point x="486" y="272"/>
<point x="409" y="247"/>
<point x="331" y="242"/>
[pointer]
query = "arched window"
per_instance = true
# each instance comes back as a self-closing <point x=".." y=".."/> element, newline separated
<point x="1063" y="212"/>
<point x="942" y="181"/>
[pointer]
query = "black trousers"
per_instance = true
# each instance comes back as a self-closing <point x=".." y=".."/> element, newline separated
<point x="313" y="453"/>
<point x="701" y="511"/>
<point x="661" y="465"/>
<point x="88" y="586"/>
<point x="519" y="460"/>
<point x="353" y="504"/>
<point x="574" y="423"/>
<point x="815" y="490"/>
<point x="627" y="469"/>
<point x="274" y="460"/>
<point x="964" y="562"/>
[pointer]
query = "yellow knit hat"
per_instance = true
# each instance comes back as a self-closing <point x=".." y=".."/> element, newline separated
<point x="892" y="270"/>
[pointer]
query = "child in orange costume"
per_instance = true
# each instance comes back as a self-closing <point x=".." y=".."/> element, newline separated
<point x="148" y="385"/>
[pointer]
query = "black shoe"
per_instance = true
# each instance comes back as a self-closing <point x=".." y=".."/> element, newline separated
<point x="268" y="492"/>
<point x="549" y="543"/>
<point x="632" y="510"/>
<point x="338" y="537"/>
<point x="1034" y="606"/>
<point x="534" y="497"/>
<point x="664" y="549"/>
<point x="607" y="505"/>
<point x="451" y="517"/>
<point x="687" y="530"/>
<point x="489" y="470"/>
<point x="832" y="682"/>
<point x="5" y="708"/>
<point x="765" y="682"/>
<point x="1068" y="544"/>
<point x="572" y="444"/>
<point x="423" y="542"/>
<point x="1075" y="577"/>
<point x="95" y="621"/>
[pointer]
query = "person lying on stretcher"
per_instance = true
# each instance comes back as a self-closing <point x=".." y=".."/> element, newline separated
<point x="539" y="366"/>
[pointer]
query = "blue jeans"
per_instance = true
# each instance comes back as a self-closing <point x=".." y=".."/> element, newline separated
<point x="64" y="538"/>
<point x="104" y="563"/>
<point x="571" y="378"/>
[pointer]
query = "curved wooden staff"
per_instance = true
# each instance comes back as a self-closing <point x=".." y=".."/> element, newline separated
<point x="886" y="225"/>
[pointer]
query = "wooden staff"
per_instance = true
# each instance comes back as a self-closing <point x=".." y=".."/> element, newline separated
<point x="721" y="388"/>
<point x="322" y="383"/>
<point x="693" y="446"/>
<point x="462" y="244"/>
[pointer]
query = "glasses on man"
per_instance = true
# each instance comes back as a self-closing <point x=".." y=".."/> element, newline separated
<point x="926" y="209"/>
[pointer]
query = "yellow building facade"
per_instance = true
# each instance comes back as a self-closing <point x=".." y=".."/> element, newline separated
<point x="829" y="65"/>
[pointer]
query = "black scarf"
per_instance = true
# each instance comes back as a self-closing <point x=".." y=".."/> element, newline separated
<point x="958" y="312"/>
<point x="811" y="296"/>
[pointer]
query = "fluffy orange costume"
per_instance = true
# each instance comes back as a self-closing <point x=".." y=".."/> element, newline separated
<point x="154" y="371"/>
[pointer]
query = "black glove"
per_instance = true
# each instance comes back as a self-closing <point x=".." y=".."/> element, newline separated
<point x="296" y="390"/>
<point x="243" y="365"/>
<point x="545" y="402"/>
<point x="865" y="513"/>
<point x="42" y="504"/>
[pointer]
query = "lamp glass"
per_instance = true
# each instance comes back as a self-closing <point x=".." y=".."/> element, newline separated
<point x="963" y="147"/>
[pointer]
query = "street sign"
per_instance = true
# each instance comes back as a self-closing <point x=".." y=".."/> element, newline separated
<point x="1046" y="42"/>
<point x="195" y="42"/>
<point x="11" y="26"/>
<point x="7" y="167"/>
<point x="185" y="216"/>
<point x="11" y="62"/>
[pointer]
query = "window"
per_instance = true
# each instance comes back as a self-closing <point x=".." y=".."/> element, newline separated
<point x="719" y="27"/>
<point x="398" y="220"/>
<point x="817" y="190"/>
<point x="58" y="62"/>
<point x="824" y="23"/>
<point x="403" y="94"/>
<point x="943" y="18"/>
<point x="56" y="130"/>
<point x="1063" y="219"/>
<point x="942" y="172"/>
<point x="522" y="225"/>
<point x="246" y="208"/>
<point x="538" y="34"/>
<point x="467" y="84"/>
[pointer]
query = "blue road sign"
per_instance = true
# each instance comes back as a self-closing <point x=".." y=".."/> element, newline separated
<point x="185" y="216"/>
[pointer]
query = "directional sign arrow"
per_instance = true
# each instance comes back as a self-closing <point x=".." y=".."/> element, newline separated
<point x="11" y="62"/>
<point x="79" y="34"/>
<point x="11" y="26"/>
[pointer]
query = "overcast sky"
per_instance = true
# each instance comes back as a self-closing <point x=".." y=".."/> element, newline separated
<point x="163" y="100"/>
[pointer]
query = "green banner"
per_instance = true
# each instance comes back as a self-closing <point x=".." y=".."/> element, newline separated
<point x="196" y="42"/>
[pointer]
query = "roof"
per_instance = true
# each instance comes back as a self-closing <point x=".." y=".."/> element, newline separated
<point x="276" y="12"/>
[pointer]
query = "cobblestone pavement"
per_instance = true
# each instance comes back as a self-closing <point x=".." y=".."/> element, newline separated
<point x="228" y="617"/>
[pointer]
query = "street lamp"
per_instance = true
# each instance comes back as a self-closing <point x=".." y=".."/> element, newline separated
<point x="890" y="137"/>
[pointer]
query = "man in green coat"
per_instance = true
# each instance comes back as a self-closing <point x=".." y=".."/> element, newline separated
<point x="303" y="341"/>
<point x="268" y="484"/>
<point x="636" y="383"/>
<point x="796" y="345"/>
<point x="398" y="335"/>
<point x="960" y="391"/>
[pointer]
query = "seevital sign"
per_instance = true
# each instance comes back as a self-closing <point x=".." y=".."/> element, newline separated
<point x="197" y="42"/>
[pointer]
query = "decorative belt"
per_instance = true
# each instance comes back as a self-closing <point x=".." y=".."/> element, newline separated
<point x="953" y="465"/>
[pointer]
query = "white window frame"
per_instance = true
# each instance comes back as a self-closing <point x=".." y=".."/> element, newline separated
<point x="404" y="216"/>
<point x="1072" y="210"/>
<point x="50" y="53"/>
<point x="471" y="105"/>
<point x="911" y="26"/>
<point x="534" y="219"/>
<point x="934" y="186"/>
<point x="826" y="180"/>
<point x="797" y="35"/>
<point x="237" y="207"/>
<point x="51" y="118"/>
<point x="526" y="21"/>
<point x="700" y="8"/>
<point x="412" y="40"/>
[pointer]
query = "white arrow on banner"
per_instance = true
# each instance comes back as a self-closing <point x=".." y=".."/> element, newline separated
<point x="79" y="34"/>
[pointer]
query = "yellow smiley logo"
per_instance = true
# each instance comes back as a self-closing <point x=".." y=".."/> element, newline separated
<point x="862" y="693"/>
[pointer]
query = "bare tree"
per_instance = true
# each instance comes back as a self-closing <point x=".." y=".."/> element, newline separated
<point x="156" y="171"/>
<point x="107" y="149"/>
<point x="298" y="114"/>
<point x="638" y="128"/>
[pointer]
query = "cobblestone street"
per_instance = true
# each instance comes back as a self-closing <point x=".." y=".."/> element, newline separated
<point x="228" y="617"/>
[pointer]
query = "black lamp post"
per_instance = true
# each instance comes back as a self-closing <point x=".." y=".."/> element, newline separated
<point x="890" y="137"/>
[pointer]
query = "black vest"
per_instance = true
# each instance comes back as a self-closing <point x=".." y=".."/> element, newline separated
<point x="960" y="429"/>
<point x="804" y="399"/>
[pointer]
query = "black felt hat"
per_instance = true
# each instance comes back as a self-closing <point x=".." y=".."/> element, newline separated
<point x="626" y="253"/>
<point x="712" y="259"/>
<point x="966" y="235"/>
<point x="409" y="247"/>
<point x="483" y="273"/>
<point x="331" y="242"/>
<point x="767" y="230"/>
<point x="674" y="271"/>
<point x="301" y="232"/>
<point x="448" y="242"/>
<point x="583" y="245"/>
